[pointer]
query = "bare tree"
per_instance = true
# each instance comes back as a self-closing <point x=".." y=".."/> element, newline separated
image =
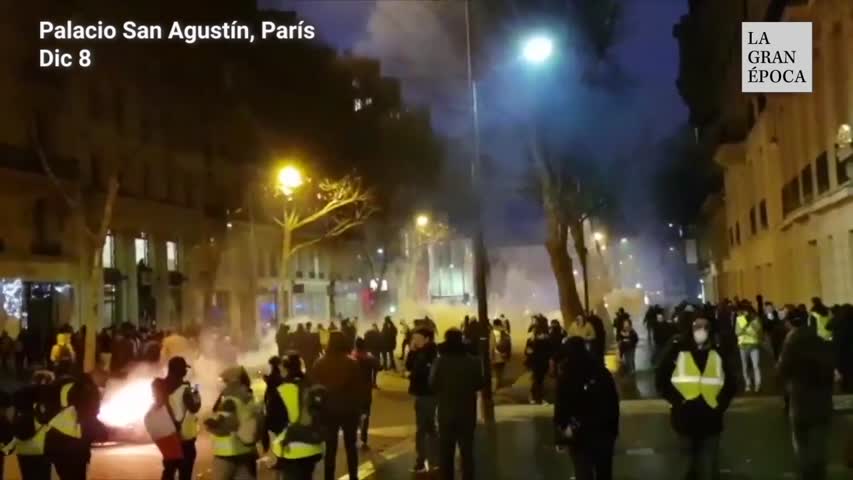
<point x="92" y="213"/>
<point x="336" y="207"/>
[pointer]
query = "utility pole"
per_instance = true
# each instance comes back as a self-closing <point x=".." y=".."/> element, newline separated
<point x="480" y="259"/>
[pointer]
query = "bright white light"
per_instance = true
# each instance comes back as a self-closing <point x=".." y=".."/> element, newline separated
<point x="671" y="249"/>
<point x="373" y="284"/>
<point x="639" y="285"/>
<point x="392" y="309"/>
<point x="384" y="285"/>
<point x="380" y="251"/>
<point x="670" y="225"/>
<point x="604" y="247"/>
<point x="701" y="280"/>
<point x="574" y="272"/>
<point x="598" y="236"/>
<point x="538" y="49"/>
<point x="128" y="405"/>
<point x="620" y="262"/>
<point x="229" y="224"/>
<point x="451" y="265"/>
<point x="12" y="296"/>
<point x="422" y="220"/>
<point x="623" y="240"/>
<point x="646" y="299"/>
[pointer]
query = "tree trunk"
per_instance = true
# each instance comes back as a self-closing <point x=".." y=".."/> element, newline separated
<point x="561" y="265"/>
<point x="93" y="293"/>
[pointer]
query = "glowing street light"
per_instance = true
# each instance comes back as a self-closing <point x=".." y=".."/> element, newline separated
<point x="537" y="49"/>
<point x="598" y="236"/>
<point x="289" y="179"/>
<point x="623" y="240"/>
<point x="639" y="285"/>
<point x="422" y="220"/>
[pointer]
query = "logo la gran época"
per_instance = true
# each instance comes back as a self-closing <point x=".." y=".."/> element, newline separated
<point x="777" y="57"/>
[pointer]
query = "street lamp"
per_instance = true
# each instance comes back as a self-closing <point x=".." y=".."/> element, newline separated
<point x="537" y="49"/>
<point x="598" y="237"/>
<point x="289" y="179"/>
<point x="422" y="220"/>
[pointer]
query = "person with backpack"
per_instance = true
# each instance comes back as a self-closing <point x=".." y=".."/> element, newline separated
<point x="29" y="427"/>
<point x="298" y="411"/>
<point x="184" y="404"/>
<point x="340" y="374"/>
<point x="62" y="349"/>
<point x="806" y="366"/>
<point x="234" y="428"/>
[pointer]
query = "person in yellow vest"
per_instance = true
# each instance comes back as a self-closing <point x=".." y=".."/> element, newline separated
<point x="822" y="318"/>
<point x="234" y="428"/>
<point x="582" y="328"/>
<point x="699" y="385"/>
<point x="29" y="427"/>
<point x="748" y="331"/>
<point x="296" y="454"/>
<point x="184" y="404"/>
<point x="70" y="410"/>
<point x="62" y="349"/>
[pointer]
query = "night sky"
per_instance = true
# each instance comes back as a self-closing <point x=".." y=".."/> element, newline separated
<point x="422" y="43"/>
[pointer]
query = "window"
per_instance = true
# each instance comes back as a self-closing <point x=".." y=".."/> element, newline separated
<point x="140" y="249"/>
<point x="108" y="254"/>
<point x="762" y="214"/>
<point x="357" y="105"/>
<point x="737" y="233"/>
<point x="808" y="187"/>
<point x="822" y="173"/>
<point x="172" y="256"/>
<point x="753" y="225"/>
<point x="368" y="101"/>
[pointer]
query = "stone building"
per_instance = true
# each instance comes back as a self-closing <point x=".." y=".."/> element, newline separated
<point x="786" y="158"/>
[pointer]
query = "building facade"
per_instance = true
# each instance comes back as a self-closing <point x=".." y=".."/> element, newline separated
<point x="787" y="208"/>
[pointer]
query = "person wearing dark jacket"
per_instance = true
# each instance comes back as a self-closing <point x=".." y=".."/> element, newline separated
<point x="184" y="404"/>
<point x="419" y="364"/>
<point x="598" y="344"/>
<point x="7" y="439"/>
<point x="699" y="385"/>
<point x="389" y="344"/>
<point x="806" y="366"/>
<point x="312" y="345"/>
<point x="341" y="376"/>
<point x="627" y="339"/>
<point x="276" y="414"/>
<point x="586" y="412"/>
<point x="373" y="342"/>
<point x="456" y="377"/>
<point x="369" y="365"/>
<point x="538" y="352"/>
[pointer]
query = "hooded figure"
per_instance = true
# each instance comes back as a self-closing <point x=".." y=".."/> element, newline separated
<point x="62" y="350"/>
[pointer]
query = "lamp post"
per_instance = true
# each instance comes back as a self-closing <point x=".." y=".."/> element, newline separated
<point x="288" y="180"/>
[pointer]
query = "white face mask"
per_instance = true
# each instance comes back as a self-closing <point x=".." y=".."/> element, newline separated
<point x="700" y="336"/>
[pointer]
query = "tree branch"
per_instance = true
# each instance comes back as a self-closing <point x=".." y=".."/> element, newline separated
<point x="45" y="164"/>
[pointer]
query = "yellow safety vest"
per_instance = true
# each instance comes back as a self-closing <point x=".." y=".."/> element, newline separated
<point x="691" y="383"/>
<point x="747" y="331"/>
<point x="35" y="444"/>
<point x="230" y="445"/>
<point x="186" y="420"/>
<point x="289" y="393"/>
<point x="66" y="421"/>
<point x="821" y="322"/>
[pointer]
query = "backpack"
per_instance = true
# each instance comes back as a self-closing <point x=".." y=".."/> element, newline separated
<point x="308" y="428"/>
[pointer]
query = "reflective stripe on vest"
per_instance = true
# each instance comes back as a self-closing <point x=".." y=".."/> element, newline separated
<point x="691" y="383"/>
<point x="66" y="420"/>
<point x="822" y="322"/>
<point x="35" y="444"/>
<point x="187" y="421"/>
<point x="747" y="333"/>
<point x="230" y="445"/>
<point x="289" y="393"/>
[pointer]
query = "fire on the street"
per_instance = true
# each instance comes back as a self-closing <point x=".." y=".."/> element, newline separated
<point x="126" y="406"/>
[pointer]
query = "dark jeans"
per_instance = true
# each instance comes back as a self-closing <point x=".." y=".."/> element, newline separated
<point x="593" y="459"/>
<point x="70" y="467"/>
<point x="387" y="359"/>
<point x="700" y="458"/>
<point x="628" y="364"/>
<point x="425" y="434"/>
<point x="33" y="467"/>
<point x="451" y="434"/>
<point x="349" y="425"/>
<point x="183" y="467"/>
<point x="537" y="388"/>
<point x="810" y="448"/>
<point x="364" y="424"/>
<point x="301" y="469"/>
